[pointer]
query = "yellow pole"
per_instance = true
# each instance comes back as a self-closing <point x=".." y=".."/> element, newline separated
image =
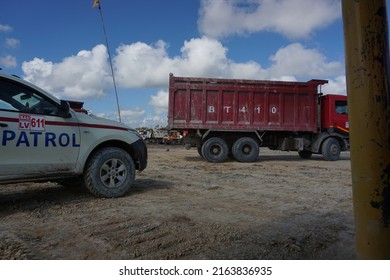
<point x="367" y="72"/>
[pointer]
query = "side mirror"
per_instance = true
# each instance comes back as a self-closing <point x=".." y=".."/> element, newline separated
<point x="64" y="109"/>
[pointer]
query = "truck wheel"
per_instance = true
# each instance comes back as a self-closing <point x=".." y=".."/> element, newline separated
<point x="305" y="154"/>
<point x="245" y="149"/>
<point x="215" y="150"/>
<point x="331" y="149"/>
<point x="109" y="173"/>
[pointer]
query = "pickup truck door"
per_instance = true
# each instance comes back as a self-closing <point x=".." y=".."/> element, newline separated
<point x="35" y="141"/>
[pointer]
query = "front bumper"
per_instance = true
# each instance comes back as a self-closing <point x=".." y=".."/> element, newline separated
<point x="140" y="154"/>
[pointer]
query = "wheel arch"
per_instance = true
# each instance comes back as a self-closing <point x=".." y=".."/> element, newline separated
<point x="135" y="150"/>
<point x="319" y="141"/>
<point x="231" y="136"/>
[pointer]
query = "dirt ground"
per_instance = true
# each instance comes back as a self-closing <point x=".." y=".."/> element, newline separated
<point x="182" y="207"/>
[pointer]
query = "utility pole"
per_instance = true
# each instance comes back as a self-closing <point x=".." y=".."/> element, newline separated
<point x="367" y="71"/>
<point x="96" y="3"/>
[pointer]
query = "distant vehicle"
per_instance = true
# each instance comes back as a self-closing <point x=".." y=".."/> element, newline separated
<point x="172" y="137"/>
<point x="43" y="139"/>
<point x="228" y="117"/>
<point x="154" y="136"/>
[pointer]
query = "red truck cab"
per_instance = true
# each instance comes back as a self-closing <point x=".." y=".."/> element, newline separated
<point x="334" y="117"/>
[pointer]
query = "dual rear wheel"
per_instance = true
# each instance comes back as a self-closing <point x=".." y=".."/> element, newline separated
<point x="244" y="149"/>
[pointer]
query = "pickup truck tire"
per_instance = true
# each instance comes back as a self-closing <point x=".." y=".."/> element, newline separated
<point x="245" y="149"/>
<point x="215" y="150"/>
<point x="109" y="173"/>
<point x="331" y="149"/>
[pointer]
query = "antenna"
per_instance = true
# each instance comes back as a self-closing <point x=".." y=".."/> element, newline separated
<point x="96" y="3"/>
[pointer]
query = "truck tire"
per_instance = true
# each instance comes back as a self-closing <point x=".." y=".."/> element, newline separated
<point x="331" y="149"/>
<point x="215" y="150"/>
<point x="109" y="173"/>
<point x="245" y="149"/>
<point x="305" y="154"/>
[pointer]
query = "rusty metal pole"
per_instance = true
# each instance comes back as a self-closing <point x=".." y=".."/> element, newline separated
<point x="367" y="71"/>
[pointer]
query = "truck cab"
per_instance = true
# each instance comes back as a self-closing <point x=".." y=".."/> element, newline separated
<point x="333" y="130"/>
<point x="334" y="117"/>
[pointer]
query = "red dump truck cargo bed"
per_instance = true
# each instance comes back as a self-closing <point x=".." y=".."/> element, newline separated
<point x="245" y="105"/>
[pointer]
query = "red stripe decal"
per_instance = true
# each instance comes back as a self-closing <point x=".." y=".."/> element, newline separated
<point x="102" y="126"/>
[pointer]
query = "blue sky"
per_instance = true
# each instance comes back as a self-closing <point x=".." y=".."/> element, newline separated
<point x="60" y="46"/>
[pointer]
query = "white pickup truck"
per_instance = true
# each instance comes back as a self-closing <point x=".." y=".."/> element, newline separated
<point x="42" y="139"/>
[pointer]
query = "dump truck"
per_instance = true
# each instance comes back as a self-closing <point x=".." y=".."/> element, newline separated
<point x="235" y="117"/>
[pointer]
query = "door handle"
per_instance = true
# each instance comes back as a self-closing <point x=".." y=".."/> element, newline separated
<point x="3" y="125"/>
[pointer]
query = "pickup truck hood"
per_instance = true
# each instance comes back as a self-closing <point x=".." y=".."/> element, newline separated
<point x="95" y="120"/>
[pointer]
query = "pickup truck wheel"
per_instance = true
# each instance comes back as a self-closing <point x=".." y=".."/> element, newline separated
<point x="331" y="149"/>
<point x="109" y="173"/>
<point x="245" y="149"/>
<point x="215" y="150"/>
<point x="305" y="154"/>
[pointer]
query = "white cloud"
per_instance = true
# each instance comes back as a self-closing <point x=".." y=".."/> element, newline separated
<point x="337" y="85"/>
<point x="137" y="112"/>
<point x="87" y="74"/>
<point x="5" y="28"/>
<point x="8" y="61"/>
<point x="202" y="57"/>
<point x="298" y="61"/>
<point x="291" y="18"/>
<point x="12" y="43"/>
<point x="132" y="117"/>
<point x="142" y="65"/>
<point x="159" y="102"/>
<point x="81" y="76"/>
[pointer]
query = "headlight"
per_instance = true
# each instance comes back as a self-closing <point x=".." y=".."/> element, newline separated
<point x="136" y="133"/>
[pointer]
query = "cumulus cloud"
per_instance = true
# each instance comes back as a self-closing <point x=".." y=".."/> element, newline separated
<point x="299" y="61"/>
<point x="336" y="85"/>
<point x="142" y="65"/>
<point x="132" y="117"/>
<point x="137" y="112"/>
<point x="8" y="61"/>
<point x="5" y="28"/>
<point x="12" y="43"/>
<point x="87" y="74"/>
<point x="84" y="75"/>
<point x="160" y="102"/>
<point x="290" y="18"/>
